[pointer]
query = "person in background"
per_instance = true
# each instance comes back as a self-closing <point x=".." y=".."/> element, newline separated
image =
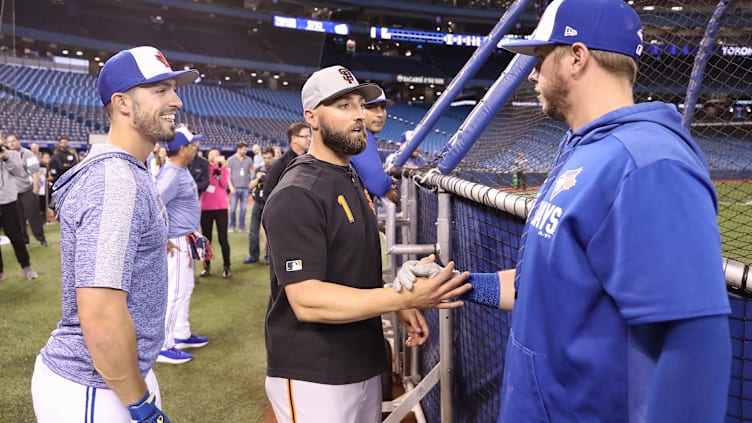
<point x="240" y="167"/>
<point x="178" y="193"/>
<point x="34" y="148"/>
<point x="519" y="168"/>
<point x="97" y="363"/>
<point x="257" y="191"/>
<point x="620" y="308"/>
<point x="299" y="139"/>
<point x="159" y="160"/>
<point x="214" y="202"/>
<point x="44" y="186"/>
<point x="199" y="168"/>
<point x="63" y="158"/>
<point x="28" y="187"/>
<point x="415" y="160"/>
<point x="368" y="163"/>
<point x="258" y="159"/>
<point x="11" y="167"/>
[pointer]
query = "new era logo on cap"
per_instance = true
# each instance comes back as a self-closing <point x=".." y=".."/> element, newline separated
<point x="138" y="66"/>
<point x="334" y="82"/>
<point x="609" y="25"/>
<point x="570" y="32"/>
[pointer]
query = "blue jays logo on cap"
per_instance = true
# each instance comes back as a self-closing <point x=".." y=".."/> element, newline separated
<point x="138" y="66"/>
<point x="609" y="25"/>
<point x="182" y="137"/>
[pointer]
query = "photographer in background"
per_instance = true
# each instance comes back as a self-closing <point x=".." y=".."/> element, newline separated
<point x="10" y="168"/>
<point x="257" y="190"/>
<point x="214" y="205"/>
<point x="27" y="186"/>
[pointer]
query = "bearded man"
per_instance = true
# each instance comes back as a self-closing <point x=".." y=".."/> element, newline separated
<point x="325" y="346"/>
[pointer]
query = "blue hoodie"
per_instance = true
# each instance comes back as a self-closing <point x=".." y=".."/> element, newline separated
<point x="623" y="233"/>
<point x="113" y="234"/>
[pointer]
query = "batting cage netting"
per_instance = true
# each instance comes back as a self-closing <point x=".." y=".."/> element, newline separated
<point x="697" y="56"/>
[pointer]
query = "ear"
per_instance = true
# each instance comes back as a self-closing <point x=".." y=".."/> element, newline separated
<point x="122" y="103"/>
<point x="311" y="118"/>
<point x="580" y="58"/>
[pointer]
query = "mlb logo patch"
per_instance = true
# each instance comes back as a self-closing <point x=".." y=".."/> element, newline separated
<point x="294" y="265"/>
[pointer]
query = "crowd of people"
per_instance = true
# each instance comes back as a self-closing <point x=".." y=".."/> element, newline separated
<point x="598" y="332"/>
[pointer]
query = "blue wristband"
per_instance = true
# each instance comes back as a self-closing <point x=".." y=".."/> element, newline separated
<point x="485" y="289"/>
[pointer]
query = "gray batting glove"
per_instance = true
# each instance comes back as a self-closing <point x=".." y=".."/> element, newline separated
<point x="411" y="271"/>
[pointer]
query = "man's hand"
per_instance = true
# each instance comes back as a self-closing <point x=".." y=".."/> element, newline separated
<point x="415" y="325"/>
<point x="439" y="291"/>
<point x="393" y="195"/>
<point x="412" y="269"/>
<point x="172" y="248"/>
<point x="146" y="411"/>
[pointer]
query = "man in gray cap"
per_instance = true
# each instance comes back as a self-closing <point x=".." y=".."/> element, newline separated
<point x="97" y="364"/>
<point x="325" y="346"/>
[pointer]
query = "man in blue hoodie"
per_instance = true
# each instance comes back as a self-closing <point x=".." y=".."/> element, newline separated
<point x="97" y="364"/>
<point x="620" y="306"/>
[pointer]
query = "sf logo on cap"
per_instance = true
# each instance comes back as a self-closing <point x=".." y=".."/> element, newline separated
<point x="347" y="75"/>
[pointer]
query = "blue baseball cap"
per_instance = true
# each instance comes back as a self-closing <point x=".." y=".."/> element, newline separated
<point x="381" y="99"/>
<point x="609" y="25"/>
<point x="182" y="137"/>
<point x="138" y="66"/>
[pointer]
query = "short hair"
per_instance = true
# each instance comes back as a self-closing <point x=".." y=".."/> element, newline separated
<point x="617" y="63"/>
<point x="268" y="150"/>
<point x="11" y="134"/>
<point x="241" y="144"/>
<point x="294" y="128"/>
<point x="174" y="152"/>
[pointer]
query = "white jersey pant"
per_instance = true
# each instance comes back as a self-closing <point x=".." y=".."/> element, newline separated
<point x="180" y="283"/>
<point x="296" y="401"/>
<point x="59" y="400"/>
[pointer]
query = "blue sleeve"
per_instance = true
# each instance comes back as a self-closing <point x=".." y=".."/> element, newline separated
<point x="693" y="368"/>
<point x="647" y="248"/>
<point x="167" y="185"/>
<point x="371" y="171"/>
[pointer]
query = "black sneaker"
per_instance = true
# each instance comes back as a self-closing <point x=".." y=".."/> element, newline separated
<point x="204" y="273"/>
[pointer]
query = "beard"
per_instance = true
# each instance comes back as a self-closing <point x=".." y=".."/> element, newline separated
<point x="344" y="142"/>
<point x="151" y="126"/>
<point x="554" y="98"/>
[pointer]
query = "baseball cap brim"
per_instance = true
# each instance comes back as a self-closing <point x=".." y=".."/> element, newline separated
<point x="368" y="90"/>
<point x="525" y="47"/>
<point x="181" y="78"/>
<point x="388" y="102"/>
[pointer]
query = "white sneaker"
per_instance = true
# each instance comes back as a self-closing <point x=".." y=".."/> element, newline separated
<point x="30" y="273"/>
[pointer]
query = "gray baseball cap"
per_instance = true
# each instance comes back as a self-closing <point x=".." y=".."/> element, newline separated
<point x="334" y="82"/>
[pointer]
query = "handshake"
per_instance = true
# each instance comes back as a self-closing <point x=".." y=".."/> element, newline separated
<point x="486" y="287"/>
<point x="412" y="270"/>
